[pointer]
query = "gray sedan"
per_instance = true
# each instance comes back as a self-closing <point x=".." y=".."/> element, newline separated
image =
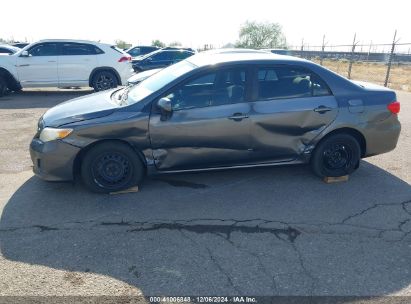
<point x="216" y="111"/>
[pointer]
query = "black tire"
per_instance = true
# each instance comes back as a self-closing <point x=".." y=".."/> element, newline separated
<point x="3" y="87"/>
<point x="336" y="155"/>
<point x="111" y="167"/>
<point x="104" y="80"/>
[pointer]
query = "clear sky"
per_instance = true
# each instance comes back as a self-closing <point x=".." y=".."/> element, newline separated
<point x="197" y="22"/>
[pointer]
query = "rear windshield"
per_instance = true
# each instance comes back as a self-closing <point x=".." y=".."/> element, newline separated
<point x="158" y="81"/>
<point x="117" y="49"/>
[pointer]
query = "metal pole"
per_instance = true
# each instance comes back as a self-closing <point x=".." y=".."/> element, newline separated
<point x="322" y="51"/>
<point x="352" y="56"/>
<point x="302" y="48"/>
<point x="387" y="77"/>
<point x="369" y="51"/>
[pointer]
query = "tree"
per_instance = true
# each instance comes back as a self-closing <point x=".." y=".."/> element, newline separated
<point x="122" y="44"/>
<point x="158" y="43"/>
<point x="257" y="35"/>
<point x="175" y="43"/>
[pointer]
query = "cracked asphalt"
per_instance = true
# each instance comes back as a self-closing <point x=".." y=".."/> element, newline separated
<point x="265" y="231"/>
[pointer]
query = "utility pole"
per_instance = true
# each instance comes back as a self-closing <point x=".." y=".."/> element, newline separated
<point x="302" y="48"/>
<point x="369" y="51"/>
<point x="322" y="51"/>
<point x="354" y="43"/>
<point x="387" y="76"/>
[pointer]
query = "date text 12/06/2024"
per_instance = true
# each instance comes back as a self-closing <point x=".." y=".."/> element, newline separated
<point x="239" y="299"/>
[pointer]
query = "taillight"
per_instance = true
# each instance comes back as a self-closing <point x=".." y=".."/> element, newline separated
<point x="394" y="107"/>
<point x="124" y="59"/>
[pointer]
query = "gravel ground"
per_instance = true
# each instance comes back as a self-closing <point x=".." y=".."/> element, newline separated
<point x="267" y="231"/>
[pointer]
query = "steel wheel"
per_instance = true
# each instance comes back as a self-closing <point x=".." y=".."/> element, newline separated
<point x="111" y="166"/>
<point x="337" y="156"/>
<point x="112" y="170"/>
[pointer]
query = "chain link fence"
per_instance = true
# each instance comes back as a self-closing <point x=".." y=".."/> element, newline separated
<point x="388" y="64"/>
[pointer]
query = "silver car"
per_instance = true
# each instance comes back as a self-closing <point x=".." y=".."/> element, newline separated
<point x="217" y="111"/>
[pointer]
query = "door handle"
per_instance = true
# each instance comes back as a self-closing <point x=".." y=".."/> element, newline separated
<point x="322" y="109"/>
<point x="22" y="65"/>
<point x="238" y="116"/>
<point x="51" y="61"/>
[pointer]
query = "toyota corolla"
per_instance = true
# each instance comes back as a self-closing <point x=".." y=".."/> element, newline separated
<point x="217" y="111"/>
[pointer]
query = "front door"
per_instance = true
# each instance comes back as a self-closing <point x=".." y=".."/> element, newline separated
<point x="40" y="67"/>
<point x="292" y="107"/>
<point x="209" y="125"/>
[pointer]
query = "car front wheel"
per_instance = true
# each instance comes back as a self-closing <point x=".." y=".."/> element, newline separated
<point x="104" y="80"/>
<point x="337" y="155"/>
<point x="111" y="167"/>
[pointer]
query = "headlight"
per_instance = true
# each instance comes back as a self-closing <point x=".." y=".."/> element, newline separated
<point x="48" y="134"/>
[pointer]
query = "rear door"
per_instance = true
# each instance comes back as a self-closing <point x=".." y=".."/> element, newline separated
<point x="209" y="125"/>
<point x="75" y="63"/>
<point x="292" y="106"/>
<point x="40" y="67"/>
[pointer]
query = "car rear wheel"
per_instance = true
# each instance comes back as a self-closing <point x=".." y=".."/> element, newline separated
<point x="111" y="167"/>
<point x="104" y="80"/>
<point x="337" y="155"/>
<point x="3" y="86"/>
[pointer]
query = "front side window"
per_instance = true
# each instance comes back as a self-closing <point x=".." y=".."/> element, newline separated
<point x="211" y="89"/>
<point x="289" y="82"/>
<point x="44" y="49"/>
<point x="72" y="49"/>
<point x="135" y="52"/>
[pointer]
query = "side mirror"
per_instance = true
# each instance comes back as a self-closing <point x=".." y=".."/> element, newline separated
<point x="165" y="107"/>
<point x="24" y="54"/>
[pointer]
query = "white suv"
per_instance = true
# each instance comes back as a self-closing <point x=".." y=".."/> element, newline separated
<point x="65" y="63"/>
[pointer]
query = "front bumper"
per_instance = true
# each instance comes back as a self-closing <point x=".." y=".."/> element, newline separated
<point x="53" y="160"/>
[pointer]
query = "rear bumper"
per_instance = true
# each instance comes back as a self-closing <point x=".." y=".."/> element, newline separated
<point x="125" y="71"/>
<point x="383" y="136"/>
<point x="53" y="160"/>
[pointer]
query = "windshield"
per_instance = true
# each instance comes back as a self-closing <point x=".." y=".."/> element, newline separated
<point x="158" y="80"/>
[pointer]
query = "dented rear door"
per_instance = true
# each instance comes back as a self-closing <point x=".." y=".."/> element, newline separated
<point x="292" y="106"/>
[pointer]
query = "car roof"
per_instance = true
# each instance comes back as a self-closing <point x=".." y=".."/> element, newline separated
<point x="143" y="46"/>
<point x="209" y="58"/>
<point x="72" y="40"/>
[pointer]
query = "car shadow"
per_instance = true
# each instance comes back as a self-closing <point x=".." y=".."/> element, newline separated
<point x="44" y="98"/>
<point x="259" y="231"/>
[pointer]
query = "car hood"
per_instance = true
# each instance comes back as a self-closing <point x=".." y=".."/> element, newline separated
<point x="83" y="108"/>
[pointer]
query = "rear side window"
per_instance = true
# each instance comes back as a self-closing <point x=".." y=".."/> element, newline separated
<point x="162" y="56"/>
<point x="44" y="49"/>
<point x="289" y="82"/>
<point x="72" y="49"/>
<point x="181" y="55"/>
